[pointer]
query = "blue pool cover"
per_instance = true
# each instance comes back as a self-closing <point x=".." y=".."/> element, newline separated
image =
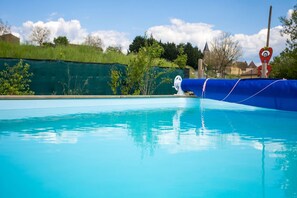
<point x="269" y="93"/>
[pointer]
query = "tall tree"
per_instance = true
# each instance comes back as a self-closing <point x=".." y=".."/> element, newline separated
<point x="290" y="28"/>
<point x="224" y="52"/>
<point x="117" y="49"/>
<point x="170" y="51"/>
<point x="61" y="40"/>
<point x="40" y="35"/>
<point x="285" y="65"/>
<point x="4" y="28"/>
<point x="181" y="59"/>
<point x="93" y="41"/>
<point x="141" y="41"/>
<point x="138" y="42"/>
<point x="193" y="54"/>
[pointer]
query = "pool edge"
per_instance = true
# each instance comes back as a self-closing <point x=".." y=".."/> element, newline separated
<point x="38" y="97"/>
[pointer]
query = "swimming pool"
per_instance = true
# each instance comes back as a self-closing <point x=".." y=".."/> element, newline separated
<point x="149" y="147"/>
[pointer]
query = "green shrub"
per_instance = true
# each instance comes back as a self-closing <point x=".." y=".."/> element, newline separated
<point x="15" y="80"/>
<point x="141" y="74"/>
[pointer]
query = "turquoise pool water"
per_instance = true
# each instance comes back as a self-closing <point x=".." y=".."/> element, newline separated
<point x="169" y="147"/>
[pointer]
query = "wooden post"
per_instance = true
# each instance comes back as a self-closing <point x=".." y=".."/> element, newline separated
<point x="200" y="68"/>
<point x="268" y="31"/>
<point x="264" y="65"/>
<point x="264" y="70"/>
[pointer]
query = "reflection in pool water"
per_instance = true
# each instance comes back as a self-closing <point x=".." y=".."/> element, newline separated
<point x="203" y="148"/>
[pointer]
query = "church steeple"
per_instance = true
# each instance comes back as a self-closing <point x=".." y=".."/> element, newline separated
<point x="206" y="49"/>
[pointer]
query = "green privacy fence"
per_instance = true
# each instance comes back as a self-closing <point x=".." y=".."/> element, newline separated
<point x="65" y="77"/>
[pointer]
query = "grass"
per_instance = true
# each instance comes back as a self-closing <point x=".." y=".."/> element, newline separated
<point x="78" y="53"/>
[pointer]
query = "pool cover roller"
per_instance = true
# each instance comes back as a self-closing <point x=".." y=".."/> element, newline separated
<point x="268" y="93"/>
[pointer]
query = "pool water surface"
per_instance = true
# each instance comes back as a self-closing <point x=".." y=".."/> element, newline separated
<point x="168" y="147"/>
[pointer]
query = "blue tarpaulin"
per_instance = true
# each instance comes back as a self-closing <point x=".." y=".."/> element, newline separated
<point x="269" y="93"/>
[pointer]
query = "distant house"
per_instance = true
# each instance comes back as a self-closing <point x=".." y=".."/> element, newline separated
<point x="236" y="69"/>
<point x="251" y="71"/>
<point x="233" y="70"/>
<point x="10" y="38"/>
<point x="243" y="70"/>
<point x="251" y="66"/>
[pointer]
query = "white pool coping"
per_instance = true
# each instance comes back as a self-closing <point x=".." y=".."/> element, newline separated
<point x="38" y="97"/>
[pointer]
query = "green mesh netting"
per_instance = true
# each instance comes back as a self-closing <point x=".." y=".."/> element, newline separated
<point x="65" y="77"/>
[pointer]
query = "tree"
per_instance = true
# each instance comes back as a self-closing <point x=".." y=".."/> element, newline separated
<point x="93" y="41"/>
<point x="224" y="52"/>
<point x="40" y="35"/>
<point x="48" y="44"/>
<point x="137" y="43"/>
<point x="140" y="77"/>
<point x="290" y="28"/>
<point x="61" y="40"/>
<point x="141" y="41"/>
<point x="114" y="49"/>
<point x="181" y="59"/>
<point x="193" y="54"/>
<point x="15" y="80"/>
<point x="285" y="65"/>
<point x="4" y="28"/>
<point x="170" y="51"/>
<point x="140" y="74"/>
<point x="115" y="81"/>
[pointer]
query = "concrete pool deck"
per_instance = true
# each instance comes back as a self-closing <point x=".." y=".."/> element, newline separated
<point x="40" y="97"/>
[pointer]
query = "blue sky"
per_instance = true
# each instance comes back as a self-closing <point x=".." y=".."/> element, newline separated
<point x="126" y="19"/>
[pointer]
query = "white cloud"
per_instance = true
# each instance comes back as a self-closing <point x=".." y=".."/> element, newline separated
<point x="251" y="44"/>
<point x="113" y="39"/>
<point x="180" y="31"/>
<point x="73" y="30"/>
<point x="289" y="14"/>
<point x="52" y="16"/>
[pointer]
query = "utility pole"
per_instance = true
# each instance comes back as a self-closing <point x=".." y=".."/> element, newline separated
<point x="268" y="31"/>
<point x="264" y="65"/>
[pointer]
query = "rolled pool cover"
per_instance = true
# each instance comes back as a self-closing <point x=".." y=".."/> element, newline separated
<point x="268" y="93"/>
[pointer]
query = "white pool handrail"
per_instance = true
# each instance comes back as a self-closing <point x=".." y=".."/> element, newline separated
<point x="177" y="85"/>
